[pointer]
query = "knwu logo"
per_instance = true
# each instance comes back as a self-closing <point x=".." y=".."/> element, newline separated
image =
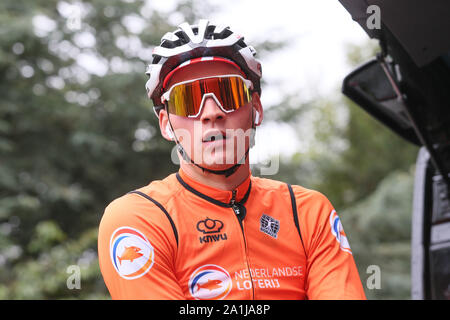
<point x="211" y="229"/>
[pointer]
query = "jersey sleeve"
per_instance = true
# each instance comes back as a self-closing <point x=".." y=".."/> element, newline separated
<point x="331" y="270"/>
<point x="136" y="249"/>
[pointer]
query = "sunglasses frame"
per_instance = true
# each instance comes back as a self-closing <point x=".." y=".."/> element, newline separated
<point x="166" y="96"/>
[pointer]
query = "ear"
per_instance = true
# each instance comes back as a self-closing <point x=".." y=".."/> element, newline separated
<point x="257" y="106"/>
<point x="164" y="126"/>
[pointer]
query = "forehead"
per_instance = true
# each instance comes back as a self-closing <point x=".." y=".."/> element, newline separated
<point x="202" y="69"/>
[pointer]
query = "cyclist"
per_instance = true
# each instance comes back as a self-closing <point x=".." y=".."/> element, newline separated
<point x="213" y="230"/>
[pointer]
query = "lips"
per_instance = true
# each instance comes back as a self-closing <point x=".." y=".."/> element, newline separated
<point x="214" y="135"/>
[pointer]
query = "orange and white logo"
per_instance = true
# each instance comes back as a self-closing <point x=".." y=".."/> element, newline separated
<point x="210" y="282"/>
<point x="338" y="231"/>
<point x="131" y="253"/>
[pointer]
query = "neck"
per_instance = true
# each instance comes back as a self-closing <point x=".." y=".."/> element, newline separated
<point x="215" y="180"/>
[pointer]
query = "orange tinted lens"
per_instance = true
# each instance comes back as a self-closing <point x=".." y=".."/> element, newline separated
<point x="185" y="99"/>
<point x="233" y="93"/>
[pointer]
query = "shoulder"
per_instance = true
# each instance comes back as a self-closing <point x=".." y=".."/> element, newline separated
<point x="316" y="215"/>
<point x="302" y="195"/>
<point x="313" y="207"/>
<point x="310" y="197"/>
<point x="156" y="192"/>
<point x="142" y="209"/>
<point x="269" y="186"/>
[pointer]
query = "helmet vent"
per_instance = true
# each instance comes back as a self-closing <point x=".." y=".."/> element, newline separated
<point x="209" y="34"/>
<point x="193" y="41"/>
<point x="183" y="38"/>
<point x="225" y="33"/>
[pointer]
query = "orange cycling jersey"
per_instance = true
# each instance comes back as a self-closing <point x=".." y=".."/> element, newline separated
<point x="179" y="239"/>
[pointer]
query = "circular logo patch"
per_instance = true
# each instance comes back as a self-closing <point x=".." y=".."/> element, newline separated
<point x="210" y="282"/>
<point x="338" y="231"/>
<point x="131" y="253"/>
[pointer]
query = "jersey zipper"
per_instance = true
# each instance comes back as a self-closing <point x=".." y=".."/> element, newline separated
<point x="239" y="211"/>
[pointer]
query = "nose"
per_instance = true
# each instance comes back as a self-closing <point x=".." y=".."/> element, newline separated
<point x="211" y="111"/>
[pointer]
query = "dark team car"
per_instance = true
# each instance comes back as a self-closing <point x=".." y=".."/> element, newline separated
<point x="407" y="88"/>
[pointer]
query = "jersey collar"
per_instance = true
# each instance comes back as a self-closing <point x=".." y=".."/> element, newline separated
<point x="217" y="196"/>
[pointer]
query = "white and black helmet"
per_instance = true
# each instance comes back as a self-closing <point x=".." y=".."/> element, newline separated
<point x="194" y="41"/>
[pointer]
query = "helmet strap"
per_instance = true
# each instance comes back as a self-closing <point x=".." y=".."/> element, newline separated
<point x="226" y="172"/>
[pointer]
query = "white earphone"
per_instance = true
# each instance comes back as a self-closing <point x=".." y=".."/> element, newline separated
<point x="256" y="117"/>
<point x="169" y="131"/>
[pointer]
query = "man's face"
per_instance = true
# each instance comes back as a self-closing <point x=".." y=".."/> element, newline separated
<point x="214" y="139"/>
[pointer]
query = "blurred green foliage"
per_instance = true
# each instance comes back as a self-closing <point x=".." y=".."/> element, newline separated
<point x="381" y="235"/>
<point x="73" y="139"/>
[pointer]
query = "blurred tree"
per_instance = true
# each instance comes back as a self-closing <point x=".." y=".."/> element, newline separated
<point x="381" y="235"/>
<point x="373" y="152"/>
<point x="76" y="131"/>
<point x="73" y="136"/>
<point x="347" y="152"/>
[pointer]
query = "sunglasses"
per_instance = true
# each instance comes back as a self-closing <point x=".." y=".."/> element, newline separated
<point x="186" y="98"/>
